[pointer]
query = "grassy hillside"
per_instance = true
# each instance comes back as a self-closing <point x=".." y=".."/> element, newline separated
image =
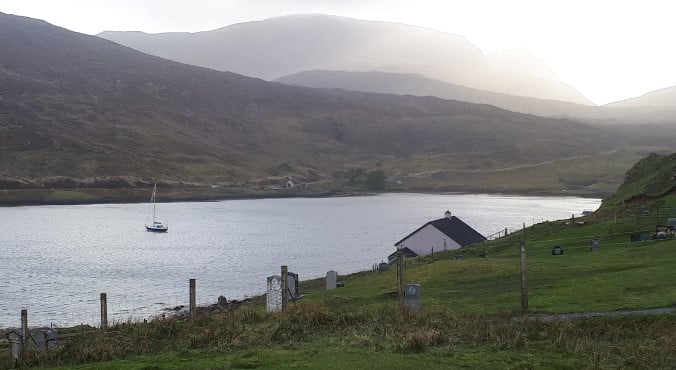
<point x="471" y="313"/>
<point x="651" y="179"/>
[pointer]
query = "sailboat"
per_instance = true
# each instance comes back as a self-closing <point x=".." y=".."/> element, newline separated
<point x="156" y="226"/>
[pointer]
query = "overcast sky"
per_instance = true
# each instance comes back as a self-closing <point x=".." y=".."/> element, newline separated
<point x="609" y="50"/>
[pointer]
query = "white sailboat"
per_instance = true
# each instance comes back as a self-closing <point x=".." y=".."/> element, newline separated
<point x="156" y="226"/>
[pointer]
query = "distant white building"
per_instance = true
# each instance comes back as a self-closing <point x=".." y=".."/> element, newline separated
<point x="447" y="233"/>
<point x="290" y="184"/>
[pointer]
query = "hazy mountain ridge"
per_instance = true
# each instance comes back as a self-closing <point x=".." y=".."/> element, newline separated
<point x="663" y="98"/>
<point x="79" y="106"/>
<point x="418" y="85"/>
<point x="413" y="84"/>
<point x="280" y="46"/>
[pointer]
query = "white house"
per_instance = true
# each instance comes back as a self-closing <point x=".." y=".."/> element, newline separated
<point x="439" y="235"/>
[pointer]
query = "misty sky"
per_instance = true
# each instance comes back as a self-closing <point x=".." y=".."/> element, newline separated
<point x="609" y="50"/>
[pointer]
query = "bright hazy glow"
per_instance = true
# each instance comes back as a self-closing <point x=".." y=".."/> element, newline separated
<point x="608" y="50"/>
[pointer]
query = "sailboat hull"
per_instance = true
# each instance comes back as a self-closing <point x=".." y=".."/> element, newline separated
<point x="157" y="229"/>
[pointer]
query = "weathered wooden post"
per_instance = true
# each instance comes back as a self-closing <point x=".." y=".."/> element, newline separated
<point x="104" y="311"/>
<point x="400" y="277"/>
<point x="524" y="287"/>
<point x="24" y="327"/>
<point x="285" y="287"/>
<point x="193" y="299"/>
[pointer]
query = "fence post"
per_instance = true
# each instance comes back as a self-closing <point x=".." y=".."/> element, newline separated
<point x="104" y="311"/>
<point x="285" y="287"/>
<point x="193" y="299"/>
<point x="400" y="277"/>
<point x="24" y="327"/>
<point x="524" y="287"/>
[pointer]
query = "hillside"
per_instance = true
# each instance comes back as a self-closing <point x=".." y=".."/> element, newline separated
<point x="650" y="180"/>
<point x="663" y="98"/>
<point x="419" y="85"/>
<point x="629" y="112"/>
<point x="280" y="46"/>
<point x="80" y="107"/>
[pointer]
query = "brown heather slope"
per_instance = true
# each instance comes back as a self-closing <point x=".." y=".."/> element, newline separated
<point x="82" y="107"/>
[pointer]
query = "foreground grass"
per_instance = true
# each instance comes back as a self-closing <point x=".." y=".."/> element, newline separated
<point x="316" y="336"/>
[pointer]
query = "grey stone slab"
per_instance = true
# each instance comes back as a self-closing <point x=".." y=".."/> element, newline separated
<point x="331" y="280"/>
<point x="274" y="294"/>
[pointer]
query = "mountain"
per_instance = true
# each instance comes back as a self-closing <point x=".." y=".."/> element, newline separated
<point x="79" y="106"/>
<point x="418" y="85"/>
<point x="663" y="98"/>
<point x="280" y="46"/>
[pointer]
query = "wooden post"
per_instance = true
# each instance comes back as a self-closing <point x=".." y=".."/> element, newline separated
<point x="400" y="277"/>
<point x="24" y="327"/>
<point x="285" y="287"/>
<point x="193" y="299"/>
<point x="104" y="311"/>
<point x="524" y="287"/>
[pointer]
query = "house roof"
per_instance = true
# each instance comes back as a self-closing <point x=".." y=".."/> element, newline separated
<point x="407" y="253"/>
<point x="454" y="228"/>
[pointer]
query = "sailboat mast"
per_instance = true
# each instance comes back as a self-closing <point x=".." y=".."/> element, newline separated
<point x="154" y="190"/>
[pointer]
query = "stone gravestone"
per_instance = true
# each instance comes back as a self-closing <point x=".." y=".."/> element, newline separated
<point x="274" y="294"/>
<point x="383" y="267"/>
<point x="292" y="285"/>
<point x="331" y="280"/>
<point x="15" y="345"/>
<point x="46" y="338"/>
<point x="412" y="297"/>
<point x="595" y="245"/>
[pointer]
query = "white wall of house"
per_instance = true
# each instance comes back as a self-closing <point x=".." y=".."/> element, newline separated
<point x="427" y="240"/>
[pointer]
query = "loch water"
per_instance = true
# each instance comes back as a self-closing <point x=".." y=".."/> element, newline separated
<point x="56" y="260"/>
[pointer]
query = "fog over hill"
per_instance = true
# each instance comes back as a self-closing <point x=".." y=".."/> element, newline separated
<point x="654" y="108"/>
<point x="418" y="85"/>
<point x="280" y="46"/>
<point x="79" y="106"/>
<point x="663" y="98"/>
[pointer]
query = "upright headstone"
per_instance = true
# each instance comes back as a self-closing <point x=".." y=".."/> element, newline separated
<point x="15" y="345"/>
<point x="274" y="294"/>
<point x="412" y="297"/>
<point x="45" y="339"/>
<point x="383" y="267"/>
<point x="595" y="244"/>
<point x="292" y="285"/>
<point x="331" y="280"/>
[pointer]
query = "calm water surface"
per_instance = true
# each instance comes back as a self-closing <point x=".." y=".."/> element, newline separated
<point x="56" y="260"/>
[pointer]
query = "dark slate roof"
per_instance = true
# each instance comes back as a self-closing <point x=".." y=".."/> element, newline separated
<point x="455" y="229"/>
<point x="407" y="253"/>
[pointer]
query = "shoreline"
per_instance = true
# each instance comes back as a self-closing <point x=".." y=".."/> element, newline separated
<point x="135" y="195"/>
